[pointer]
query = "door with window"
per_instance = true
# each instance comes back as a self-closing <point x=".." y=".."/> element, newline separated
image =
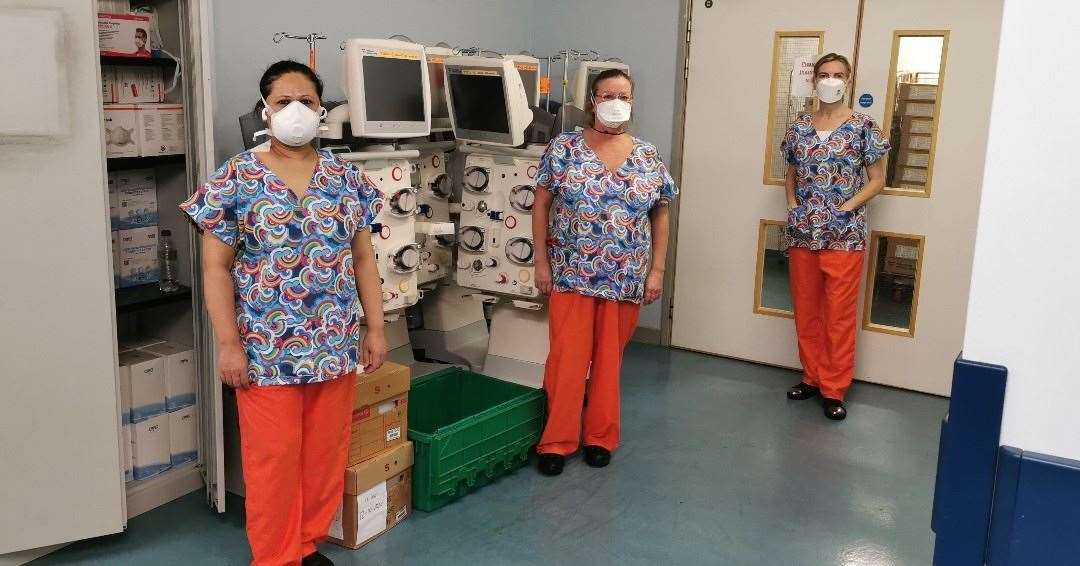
<point x="924" y="72"/>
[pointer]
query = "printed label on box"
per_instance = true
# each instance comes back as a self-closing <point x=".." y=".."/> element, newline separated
<point x="393" y="434"/>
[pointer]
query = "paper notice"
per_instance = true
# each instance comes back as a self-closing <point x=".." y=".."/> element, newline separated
<point x="336" y="529"/>
<point x="372" y="519"/>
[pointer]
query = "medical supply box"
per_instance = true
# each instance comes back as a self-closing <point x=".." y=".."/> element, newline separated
<point x="378" y="496"/>
<point x="179" y="366"/>
<point x="380" y="412"/>
<point x="117" y="32"/>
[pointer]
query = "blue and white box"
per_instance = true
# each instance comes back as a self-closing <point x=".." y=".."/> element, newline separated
<point x="116" y="258"/>
<point x="125" y="391"/>
<point x="114" y="201"/>
<point x="137" y="198"/>
<point x="147" y="384"/>
<point x="139" y="256"/>
<point x="179" y="362"/>
<point x="182" y="430"/>
<point x="151" y="447"/>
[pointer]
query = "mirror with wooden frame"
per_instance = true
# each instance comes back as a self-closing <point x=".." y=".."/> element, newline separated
<point x="892" y="284"/>
<point x="772" y="287"/>
<point x="913" y="110"/>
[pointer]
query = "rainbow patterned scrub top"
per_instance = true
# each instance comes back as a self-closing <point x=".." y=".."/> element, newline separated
<point x="827" y="174"/>
<point x="296" y="302"/>
<point x="601" y="238"/>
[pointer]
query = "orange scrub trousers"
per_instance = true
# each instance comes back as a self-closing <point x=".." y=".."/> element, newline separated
<point x="827" y="244"/>
<point x="599" y="246"/>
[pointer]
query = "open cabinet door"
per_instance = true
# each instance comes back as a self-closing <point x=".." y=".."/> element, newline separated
<point x="198" y="99"/>
<point x="60" y="468"/>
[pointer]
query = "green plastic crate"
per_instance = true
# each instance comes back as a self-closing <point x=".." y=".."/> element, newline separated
<point x="469" y="429"/>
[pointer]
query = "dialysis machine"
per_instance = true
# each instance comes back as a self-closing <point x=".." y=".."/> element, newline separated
<point x="490" y="112"/>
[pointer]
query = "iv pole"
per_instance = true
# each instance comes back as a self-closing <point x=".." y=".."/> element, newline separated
<point x="311" y="38"/>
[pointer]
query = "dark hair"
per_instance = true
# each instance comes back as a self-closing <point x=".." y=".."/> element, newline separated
<point x="137" y="30"/>
<point x="277" y="70"/>
<point x="829" y="58"/>
<point x="590" y="107"/>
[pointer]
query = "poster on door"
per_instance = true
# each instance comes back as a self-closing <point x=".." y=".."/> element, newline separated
<point x="802" y="76"/>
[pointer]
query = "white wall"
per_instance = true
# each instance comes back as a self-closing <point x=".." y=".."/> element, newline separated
<point x="1024" y="311"/>
<point x="642" y="33"/>
<point x="243" y="46"/>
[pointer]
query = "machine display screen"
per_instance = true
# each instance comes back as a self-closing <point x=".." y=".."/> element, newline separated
<point x="393" y="89"/>
<point x="479" y="103"/>
<point x="438" y="95"/>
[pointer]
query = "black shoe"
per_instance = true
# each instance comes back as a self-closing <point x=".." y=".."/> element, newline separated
<point x="551" y="464"/>
<point x="317" y="559"/>
<point x="802" y="391"/>
<point x="835" y="409"/>
<point x="597" y="457"/>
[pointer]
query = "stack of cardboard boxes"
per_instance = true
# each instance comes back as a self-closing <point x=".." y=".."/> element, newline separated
<point x="138" y="121"/>
<point x="378" y="479"/>
<point x="157" y="397"/>
<point x="918" y="103"/>
<point x="134" y="212"/>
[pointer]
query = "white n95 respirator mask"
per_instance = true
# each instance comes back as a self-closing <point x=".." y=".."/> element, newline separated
<point x="613" y="113"/>
<point x="830" y="90"/>
<point x="294" y="125"/>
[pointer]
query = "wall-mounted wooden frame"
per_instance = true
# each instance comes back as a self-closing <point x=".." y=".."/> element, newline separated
<point x="872" y="282"/>
<point x="913" y="190"/>
<point x="759" y="276"/>
<point x="772" y="146"/>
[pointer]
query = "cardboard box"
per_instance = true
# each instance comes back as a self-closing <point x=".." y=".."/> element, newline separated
<point x="910" y="158"/>
<point x="109" y="91"/>
<point x="913" y="175"/>
<point x="911" y="125"/>
<point x="378" y="496"/>
<point x="179" y="362"/>
<point x="114" y="6"/>
<point x="121" y="130"/>
<point x="380" y="412"/>
<point x="160" y="129"/>
<point x="183" y="427"/>
<point x="137" y="85"/>
<point x="917" y="109"/>
<point x="124" y="35"/>
<point x="136" y="199"/>
<point x="129" y="472"/>
<point x="147" y="385"/>
<point x="920" y="92"/>
<point x="150" y="455"/>
<point x="901" y="257"/>
<point x="138" y="256"/>
<point x="918" y="142"/>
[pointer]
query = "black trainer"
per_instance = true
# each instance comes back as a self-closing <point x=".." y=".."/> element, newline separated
<point x="834" y="409"/>
<point x="317" y="559"/>
<point x="597" y="457"/>
<point x="551" y="464"/>
<point x="802" y="392"/>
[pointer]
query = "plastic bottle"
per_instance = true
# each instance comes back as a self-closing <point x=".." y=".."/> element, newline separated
<point x="167" y="261"/>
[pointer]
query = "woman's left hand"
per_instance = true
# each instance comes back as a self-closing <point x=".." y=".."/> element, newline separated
<point x="654" y="286"/>
<point x="373" y="350"/>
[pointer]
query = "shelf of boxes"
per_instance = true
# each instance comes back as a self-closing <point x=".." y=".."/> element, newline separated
<point x="918" y="105"/>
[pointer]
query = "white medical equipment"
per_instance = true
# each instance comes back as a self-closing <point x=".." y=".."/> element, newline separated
<point x="387" y="84"/>
<point x="529" y="69"/>
<point x="487" y="101"/>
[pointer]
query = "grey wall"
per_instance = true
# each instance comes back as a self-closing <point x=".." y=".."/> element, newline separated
<point x="643" y="33"/>
<point x="243" y="46"/>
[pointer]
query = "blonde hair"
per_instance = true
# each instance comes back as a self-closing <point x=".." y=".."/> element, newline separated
<point x="829" y="58"/>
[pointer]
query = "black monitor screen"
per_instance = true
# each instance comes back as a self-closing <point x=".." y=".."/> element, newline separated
<point x="438" y="95"/>
<point x="393" y="89"/>
<point x="529" y="78"/>
<point x="479" y="104"/>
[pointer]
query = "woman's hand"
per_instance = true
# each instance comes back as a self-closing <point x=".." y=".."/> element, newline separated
<point x="543" y="277"/>
<point x="654" y="286"/>
<point x="373" y="349"/>
<point x="233" y="366"/>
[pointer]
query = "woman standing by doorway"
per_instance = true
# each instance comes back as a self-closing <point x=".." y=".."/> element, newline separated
<point x="834" y="169"/>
